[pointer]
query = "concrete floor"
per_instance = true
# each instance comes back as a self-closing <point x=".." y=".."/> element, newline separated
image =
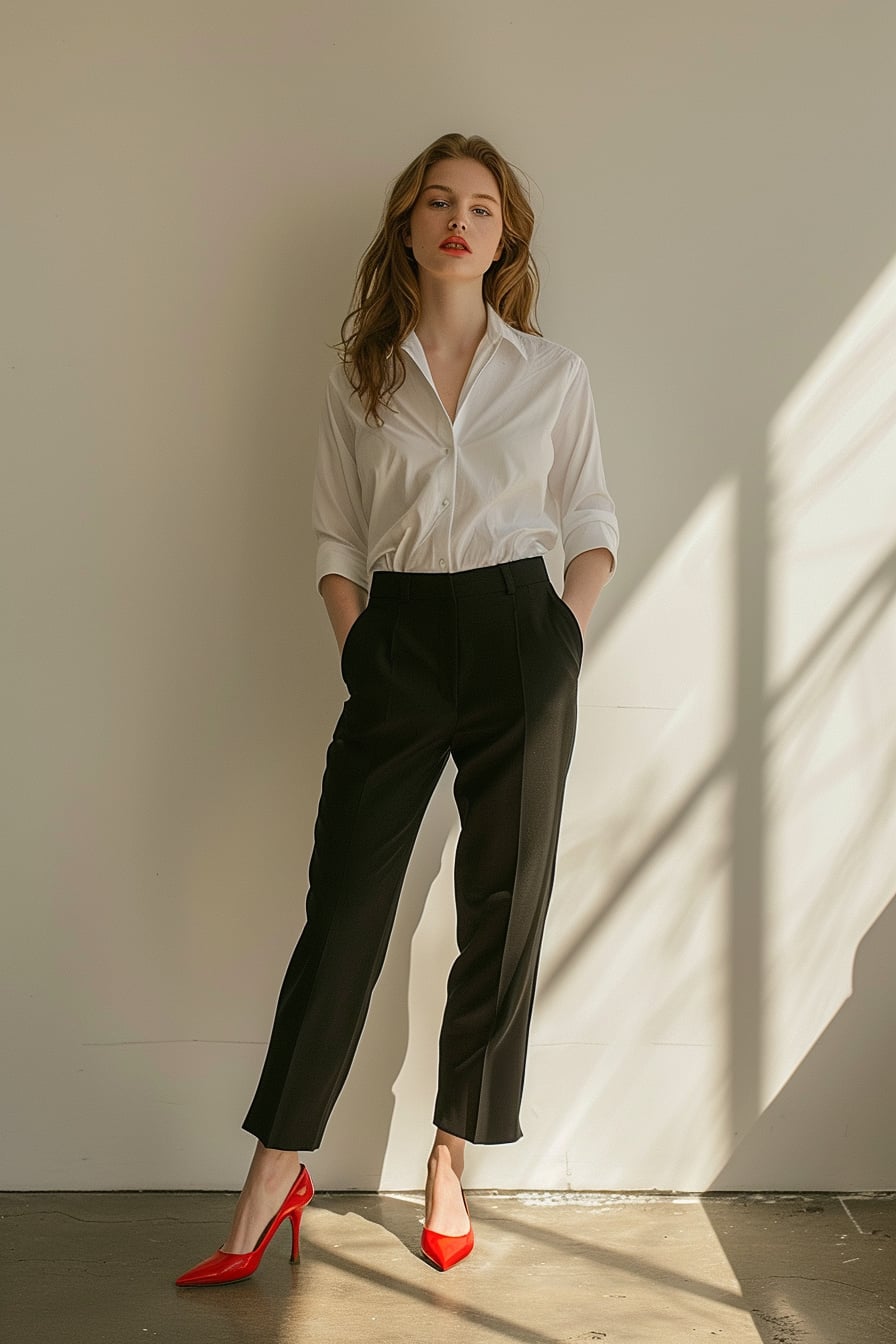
<point x="546" y="1269"/>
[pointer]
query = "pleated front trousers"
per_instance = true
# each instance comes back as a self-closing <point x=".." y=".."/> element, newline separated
<point x="482" y="665"/>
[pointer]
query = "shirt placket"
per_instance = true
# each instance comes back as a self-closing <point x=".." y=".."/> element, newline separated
<point x="450" y="443"/>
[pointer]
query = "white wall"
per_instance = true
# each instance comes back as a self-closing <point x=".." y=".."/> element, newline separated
<point x="188" y="189"/>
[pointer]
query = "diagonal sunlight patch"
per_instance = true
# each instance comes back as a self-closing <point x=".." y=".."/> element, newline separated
<point x="831" y="721"/>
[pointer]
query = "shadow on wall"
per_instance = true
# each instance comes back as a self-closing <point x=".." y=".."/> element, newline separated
<point x="834" y="1116"/>
<point x="837" y="1112"/>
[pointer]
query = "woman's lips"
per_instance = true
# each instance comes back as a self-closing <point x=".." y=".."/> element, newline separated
<point x="448" y="247"/>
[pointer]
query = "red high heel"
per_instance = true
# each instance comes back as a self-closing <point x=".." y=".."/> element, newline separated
<point x="444" y="1251"/>
<point x="223" y="1267"/>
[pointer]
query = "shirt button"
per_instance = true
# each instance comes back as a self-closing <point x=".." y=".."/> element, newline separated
<point x="444" y="503"/>
<point x="442" y="564"/>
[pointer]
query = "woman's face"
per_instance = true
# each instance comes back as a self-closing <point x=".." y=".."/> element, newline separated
<point x="458" y="196"/>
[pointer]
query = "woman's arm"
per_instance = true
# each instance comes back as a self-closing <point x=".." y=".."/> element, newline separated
<point x="344" y="600"/>
<point x="337" y="513"/>
<point x="589" y="526"/>
<point x="585" y="576"/>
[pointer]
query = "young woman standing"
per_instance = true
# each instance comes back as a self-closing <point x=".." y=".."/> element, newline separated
<point x="457" y="444"/>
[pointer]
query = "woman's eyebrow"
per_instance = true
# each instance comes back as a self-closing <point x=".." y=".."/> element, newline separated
<point x="477" y="195"/>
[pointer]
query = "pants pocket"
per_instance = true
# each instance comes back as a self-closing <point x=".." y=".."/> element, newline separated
<point x="571" y="620"/>
<point x="349" y="641"/>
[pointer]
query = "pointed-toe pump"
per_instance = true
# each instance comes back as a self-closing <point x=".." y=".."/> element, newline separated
<point x="444" y="1251"/>
<point x="223" y="1267"/>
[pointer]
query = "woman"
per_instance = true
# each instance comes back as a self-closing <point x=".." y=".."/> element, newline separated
<point x="457" y="445"/>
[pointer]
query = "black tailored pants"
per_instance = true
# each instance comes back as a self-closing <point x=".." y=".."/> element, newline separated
<point x="482" y="665"/>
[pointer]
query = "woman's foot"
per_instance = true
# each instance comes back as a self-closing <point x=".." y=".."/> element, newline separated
<point x="445" y="1211"/>
<point x="271" y="1174"/>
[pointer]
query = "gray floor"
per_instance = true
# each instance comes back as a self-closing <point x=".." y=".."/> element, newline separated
<point x="99" y="1267"/>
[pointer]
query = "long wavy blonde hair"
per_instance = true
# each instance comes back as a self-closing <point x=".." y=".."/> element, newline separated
<point x="386" y="296"/>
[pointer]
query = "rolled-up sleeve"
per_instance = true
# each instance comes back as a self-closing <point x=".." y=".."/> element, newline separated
<point x="577" y="480"/>
<point x="337" y="511"/>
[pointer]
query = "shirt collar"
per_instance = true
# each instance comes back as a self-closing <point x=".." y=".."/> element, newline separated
<point x="497" y="328"/>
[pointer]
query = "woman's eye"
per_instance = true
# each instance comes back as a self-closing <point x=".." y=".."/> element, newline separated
<point x="483" y="208"/>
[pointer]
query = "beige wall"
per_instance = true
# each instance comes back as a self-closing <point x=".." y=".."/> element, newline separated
<point x="187" y="191"/>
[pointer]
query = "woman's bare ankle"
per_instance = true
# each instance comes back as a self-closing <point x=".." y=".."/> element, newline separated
<point x="447" y="1148"/>
<point x="269" y="1164"/>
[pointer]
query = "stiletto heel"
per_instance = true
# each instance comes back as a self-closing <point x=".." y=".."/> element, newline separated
<point x="444" y="1251"/>
<point x="295" y="1218"/>
<point x="223" y="1267"/>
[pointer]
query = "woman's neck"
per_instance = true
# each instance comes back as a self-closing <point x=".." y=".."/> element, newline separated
<point x="452" y="322"/>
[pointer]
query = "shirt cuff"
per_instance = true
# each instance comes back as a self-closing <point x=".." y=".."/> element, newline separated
<point x="334" y="557"/>
<point x="588" y="537"/>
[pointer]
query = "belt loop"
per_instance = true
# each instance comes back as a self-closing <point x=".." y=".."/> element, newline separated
<point x="508" y="576"/>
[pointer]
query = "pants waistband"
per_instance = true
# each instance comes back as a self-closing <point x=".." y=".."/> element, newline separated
<point x="505" y="576"/>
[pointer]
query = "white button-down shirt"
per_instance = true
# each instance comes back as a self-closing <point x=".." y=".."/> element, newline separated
<point x="518" y="467"/>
